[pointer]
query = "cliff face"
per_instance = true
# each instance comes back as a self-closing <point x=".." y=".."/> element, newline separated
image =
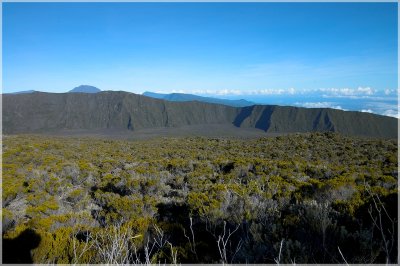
<point x="39" y="112"/>
<point x="275" y="119"/>
<point x="43" y="112"/>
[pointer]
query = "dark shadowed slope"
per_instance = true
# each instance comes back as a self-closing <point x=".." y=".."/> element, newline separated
<point x="47" y="112"/>
<point x="279" y="119"/>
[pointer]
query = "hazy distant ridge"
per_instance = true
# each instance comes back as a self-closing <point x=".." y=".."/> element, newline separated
<point x="184" y="97"/>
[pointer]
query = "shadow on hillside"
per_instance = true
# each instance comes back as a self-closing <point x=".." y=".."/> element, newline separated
<point x="18" y="250"/>
<point x="265" y="119"/>
<point x="244" y="113"/>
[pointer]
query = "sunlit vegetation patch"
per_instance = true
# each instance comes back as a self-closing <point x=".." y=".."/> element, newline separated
<point x="304" y="198"/>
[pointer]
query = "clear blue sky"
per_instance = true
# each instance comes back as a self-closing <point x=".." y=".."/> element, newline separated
<point x="221" y="48"/>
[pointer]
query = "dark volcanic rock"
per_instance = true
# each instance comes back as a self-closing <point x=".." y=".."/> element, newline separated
<point x="46" y="112"/>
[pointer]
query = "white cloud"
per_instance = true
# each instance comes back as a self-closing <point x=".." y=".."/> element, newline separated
<point x="392" y="91"/>
<point x="367" y="90"/>
<point x="271" y="91"/>
<point x="291" y="91"/>
<point x="366" y="111"/>
<point x="392" y="113"/>
<point x="319" y="105"/>
<point x="227" y="92"/>
<point x="388" y="91"/>
<point x="348" y="93"/>
<point x="221" y="92"/>
<point x="178" y="91"/>
<point x="382" y="108"/>
<point x="338" y="92"/>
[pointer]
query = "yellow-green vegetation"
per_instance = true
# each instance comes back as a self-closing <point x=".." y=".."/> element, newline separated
<point x="190" y="200"/>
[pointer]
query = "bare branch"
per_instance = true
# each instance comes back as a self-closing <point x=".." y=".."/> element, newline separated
<point x="341" y="254"/>
<point x="278" y="260"/>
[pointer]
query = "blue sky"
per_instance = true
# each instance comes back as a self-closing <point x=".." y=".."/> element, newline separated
<point x="259" y="51"/>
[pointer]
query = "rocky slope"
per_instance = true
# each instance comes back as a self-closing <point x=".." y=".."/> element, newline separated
<point x="46" y="112"/>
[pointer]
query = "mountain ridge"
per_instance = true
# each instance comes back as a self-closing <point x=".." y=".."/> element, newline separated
<point x="185" y="97"/>
<point x="22" y="92"/>
<point x="43" y="112"/>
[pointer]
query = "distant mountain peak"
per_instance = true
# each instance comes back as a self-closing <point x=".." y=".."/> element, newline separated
<point x="85" y="89"/>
